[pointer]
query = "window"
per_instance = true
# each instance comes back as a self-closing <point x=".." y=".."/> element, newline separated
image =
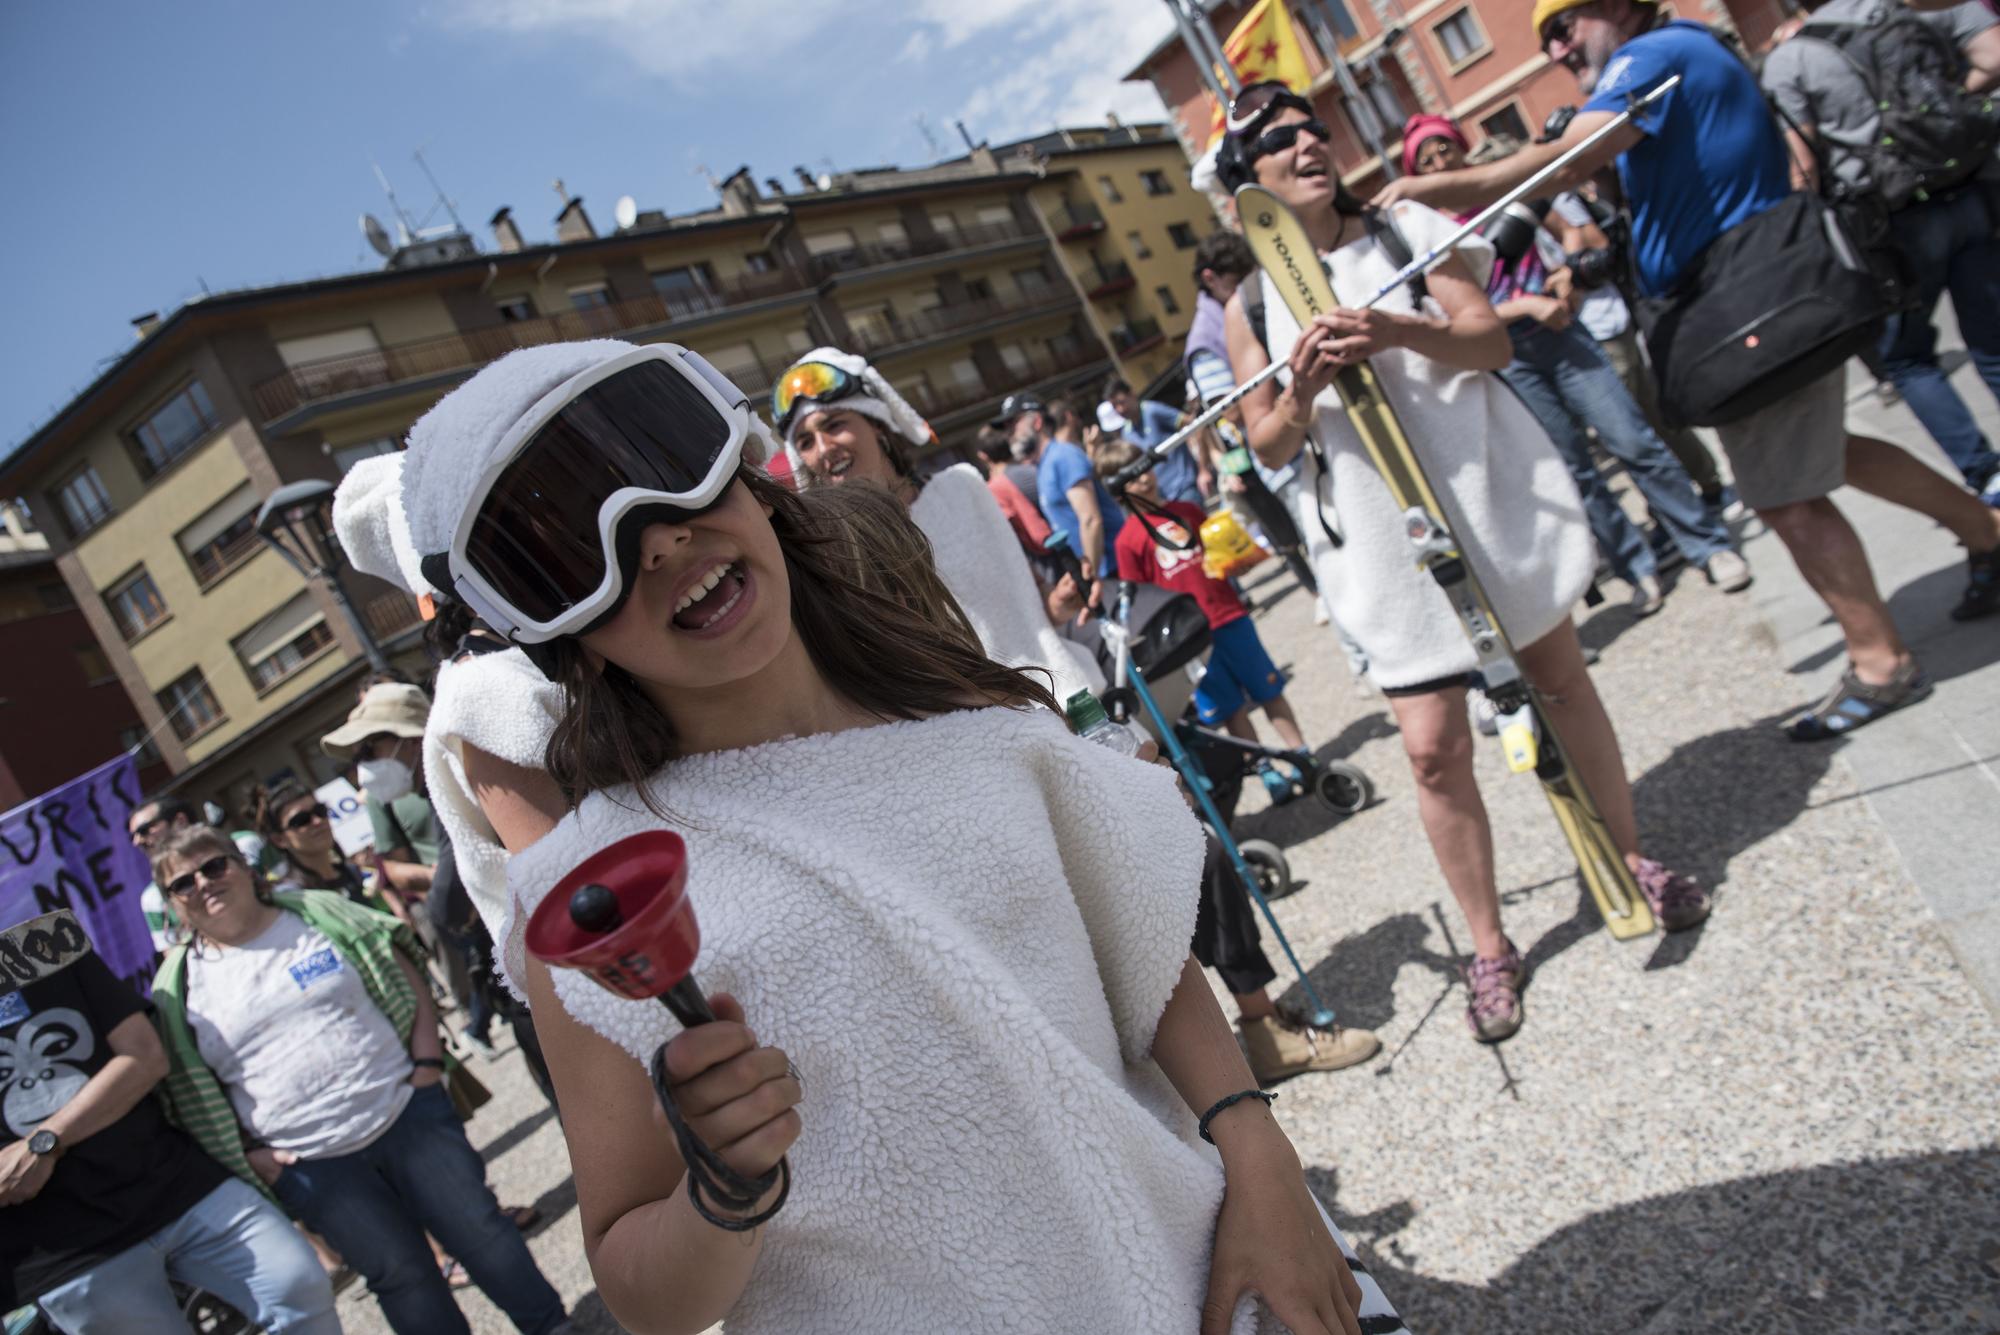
<point x="871" y="324"/>
<point x="1065" y="345"/>
<point x="174" y="428"/>
<point x="759" y="261"/>
<point x="223" y="538"/>
<point x="95" y="666"/>
<point x="1034" y="283"/>
<point x="826" y="243"/>
<point x="1016" y="359"/>
<point x="688" y="290"/>
<point x="1182" y="235"/>
<point x="1110" y="189"/>
<point x="346" y="456"/>
<point x="1137" y="245"/>
<point x="136" y="738"/>
<point x="1506" y="123"/>
<point x="892" y="233"/>
<point x="946" y="226"/>
<point x="55" y="596"/>
<point x="83" y="500"/>
<point x="978" y="289"/>
<point x="1461" y="38"/>
<point x="283" y="642"/>
<point x="994" y="215"/>
<point x="1165" y="296"/>
<point x="739" y="364"/>
<point x="799" y="342"/>
<point x="190" y="706"/>
<point x="135" y="604"/>
<point x="515" y="309"/>
<point x="1156" y="183"/>
<point x="590" y="298"/>
<point x="966" y="372"/>
<point x="22" y="512"/>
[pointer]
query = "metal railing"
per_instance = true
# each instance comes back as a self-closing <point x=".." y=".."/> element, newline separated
<point x="831" y="263"/>
<point x="309" y="382"/>
<point x="1135" y="332"/>
<point x="1108" y="278"/>
<point x="896" y="330"/>
<point x="1072" y="220"/>
<point x="388" y="615"/>
<point x="954" y="398"/>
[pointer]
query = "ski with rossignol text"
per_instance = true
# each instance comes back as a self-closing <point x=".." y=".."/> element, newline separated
<point x="1527" y="734"/>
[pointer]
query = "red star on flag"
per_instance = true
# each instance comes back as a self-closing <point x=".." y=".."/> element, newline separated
<point x="1269" y="50"/>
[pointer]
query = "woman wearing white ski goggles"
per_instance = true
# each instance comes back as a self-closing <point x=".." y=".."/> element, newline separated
<point x="652" y="436"/>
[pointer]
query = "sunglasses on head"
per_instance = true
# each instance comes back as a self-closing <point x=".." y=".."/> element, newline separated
<point x="212" y="870"/>
<point x="299" y="820"/>
<point x="817" y="383"/>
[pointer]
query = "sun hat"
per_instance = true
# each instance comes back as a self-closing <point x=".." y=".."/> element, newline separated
<point x="389" y="707"/>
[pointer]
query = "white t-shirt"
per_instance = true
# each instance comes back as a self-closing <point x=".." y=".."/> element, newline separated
<point x="310" y="1063"/>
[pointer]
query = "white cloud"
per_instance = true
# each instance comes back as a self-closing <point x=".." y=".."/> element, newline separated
<point x="670" y="38"/>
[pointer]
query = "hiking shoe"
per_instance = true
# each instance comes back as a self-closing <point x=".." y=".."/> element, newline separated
<point x="1853" y="703"/>
<point x="1982" y="589"/>
<point x="1648" y="596"/>
<point x="1281" y="1046"/>
<point x="1728" y="571"/>
<point x="1485" y="717"/>
<point x="1990" y="493"/>
<point x="1496" y="985"/>
<point x="1678" y="901"/>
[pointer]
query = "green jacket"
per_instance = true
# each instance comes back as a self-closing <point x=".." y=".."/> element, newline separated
<point x="365" y="940"/>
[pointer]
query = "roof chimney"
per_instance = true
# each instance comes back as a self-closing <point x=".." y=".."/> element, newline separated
<point x="739" y="193"/>
<point x="806" y="178"/>
<point x="573" y="224"/>
<point x="143" y="325"/>
<point x="1111" y="119"/>
<point x="774" y="185"/>
<point x="505" y="234"/>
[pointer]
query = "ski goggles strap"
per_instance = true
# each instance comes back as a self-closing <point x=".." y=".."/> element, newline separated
<point x="653" y="436"/>
<point x="819" y="382"/>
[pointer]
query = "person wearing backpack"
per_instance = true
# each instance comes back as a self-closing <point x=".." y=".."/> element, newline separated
<point x="1704" y="172"/>
<point x="1890" y="103"/>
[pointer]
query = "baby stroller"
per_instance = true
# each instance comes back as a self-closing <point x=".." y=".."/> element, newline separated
<point x="1169" y="641"/>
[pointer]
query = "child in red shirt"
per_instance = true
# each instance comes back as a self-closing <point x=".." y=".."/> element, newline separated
<point x="1240" y="672"/>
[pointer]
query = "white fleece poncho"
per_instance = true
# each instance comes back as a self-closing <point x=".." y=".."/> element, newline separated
<point x="1508" y="495"/>
<point x="980" y="561"/>
<point x="962" y="931"/>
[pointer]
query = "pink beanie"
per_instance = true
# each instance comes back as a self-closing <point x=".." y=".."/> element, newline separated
<point x="1419" y="128"/>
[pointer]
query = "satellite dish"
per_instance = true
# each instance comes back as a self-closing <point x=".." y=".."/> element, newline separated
<point x="378" y="236"/>
<point x="824" y="181"/>
<point x="627" y="211"/>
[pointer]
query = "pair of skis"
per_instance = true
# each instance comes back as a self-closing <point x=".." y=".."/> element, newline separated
<point x="1527" y="734"/>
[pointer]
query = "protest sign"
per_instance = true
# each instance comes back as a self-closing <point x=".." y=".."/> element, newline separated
<point x="69" y="849"/>
<point x="349" y="814"/>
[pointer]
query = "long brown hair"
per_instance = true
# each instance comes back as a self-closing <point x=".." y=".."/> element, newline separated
<point x="877" y="645"/>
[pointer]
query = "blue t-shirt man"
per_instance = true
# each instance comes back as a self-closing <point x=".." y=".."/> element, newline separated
<point x="1176" y="472"/>
<point x="1063" y="465"/>
<point x="1711" y="156"/>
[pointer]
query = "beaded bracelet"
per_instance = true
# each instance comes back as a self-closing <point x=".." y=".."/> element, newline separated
<point x="1225" y="1104"/>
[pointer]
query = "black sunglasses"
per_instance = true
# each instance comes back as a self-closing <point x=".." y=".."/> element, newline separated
<point x="1282" y="138"/>
<point x="1558" y="28"/>
<point x="305" y="818"/>
<point x="212" y="870"/>
<point x="145" y="830"/>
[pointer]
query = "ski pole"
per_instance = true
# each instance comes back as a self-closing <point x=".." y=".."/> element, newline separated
<point x="1420" y="265"/>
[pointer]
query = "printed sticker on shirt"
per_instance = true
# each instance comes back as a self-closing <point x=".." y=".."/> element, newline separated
<point x="1614" y="74"/>
<point x="13" y="1009"/>
<point x="43" y="1067"/>
<point x="1171" y="557"/>
<point x="319" y="964"/>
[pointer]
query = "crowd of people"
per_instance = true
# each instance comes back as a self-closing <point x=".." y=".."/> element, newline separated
<point x="954" y="950"/>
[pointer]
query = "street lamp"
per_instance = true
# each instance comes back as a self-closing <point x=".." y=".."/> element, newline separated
<point x="297" y="522"/>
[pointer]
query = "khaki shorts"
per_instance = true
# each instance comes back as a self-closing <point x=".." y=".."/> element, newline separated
<point x="1795" y="449"/>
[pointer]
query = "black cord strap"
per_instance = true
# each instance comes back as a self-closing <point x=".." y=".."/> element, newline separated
<point x="709" y="1177"/>
<point x="1225" y="1104"/>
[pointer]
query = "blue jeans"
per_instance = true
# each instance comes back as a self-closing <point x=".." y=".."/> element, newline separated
<point x="1566" y="381"/>
<point x="421" y="1174"/>
<point x="233" y="1243"/>
<point x="1948" y="244"/>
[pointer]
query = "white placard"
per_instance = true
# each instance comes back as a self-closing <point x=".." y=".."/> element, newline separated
<point x="351" y="828"/>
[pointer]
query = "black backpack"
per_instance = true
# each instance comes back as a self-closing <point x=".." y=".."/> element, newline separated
<point x="1935" y="135"/>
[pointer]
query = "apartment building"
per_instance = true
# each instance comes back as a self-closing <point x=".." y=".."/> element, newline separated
<point x="1048" y="264"/>
<point x="1476" y="61"/>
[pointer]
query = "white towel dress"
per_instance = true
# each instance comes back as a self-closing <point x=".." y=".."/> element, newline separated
<point x="1509" y="497"/>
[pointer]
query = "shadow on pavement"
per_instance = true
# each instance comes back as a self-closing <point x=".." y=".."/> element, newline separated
<point x="1717" y="795"/>
<point x="1945" y="647"/>
<point x="515" y="1134"/>
<point x="1305" y="818"/>
<point x="1358" y="976"/>
<point x="589" y="1316"/>
<point x="1890" y="1247"/>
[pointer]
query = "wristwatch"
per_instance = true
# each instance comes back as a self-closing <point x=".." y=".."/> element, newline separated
<point x="44" y="1142"/>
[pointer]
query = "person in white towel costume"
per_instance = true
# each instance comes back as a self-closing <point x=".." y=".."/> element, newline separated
<point x="1511" y="503"/>
<point x="998" y="1036"/>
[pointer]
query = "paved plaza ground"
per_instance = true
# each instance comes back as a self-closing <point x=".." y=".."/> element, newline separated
<point x="1783" y="1122"/>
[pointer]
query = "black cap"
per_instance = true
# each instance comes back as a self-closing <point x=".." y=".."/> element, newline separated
<point x="1013" y="406"/>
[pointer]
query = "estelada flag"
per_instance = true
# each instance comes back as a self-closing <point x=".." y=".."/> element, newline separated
<point x="1264" y="46"/>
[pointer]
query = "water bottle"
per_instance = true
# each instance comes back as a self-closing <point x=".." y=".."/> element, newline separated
<point x="1087" y="716"/>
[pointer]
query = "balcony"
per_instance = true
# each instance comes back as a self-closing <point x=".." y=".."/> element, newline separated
<point x="943" y="403"/>
<point x="1136" y="336"/>
<point x="1108" y="280"/>
<point x="1075" y="221"/>
<point x="312" y="382"/>
<point x="835" y="263"/>
<point x="900" y="331"/>
<point x="388" y="615"/>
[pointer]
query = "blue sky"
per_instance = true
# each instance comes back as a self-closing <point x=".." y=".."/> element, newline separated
<point x="150" y="148"/>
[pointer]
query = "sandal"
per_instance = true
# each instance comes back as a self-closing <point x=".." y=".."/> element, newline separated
<point x="523" y="1217"/>
<point x="454" y="1274"/>
<point x="1853" y="703"/>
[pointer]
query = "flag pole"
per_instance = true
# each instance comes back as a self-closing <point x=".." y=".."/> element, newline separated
<point x="1195" y="50"/>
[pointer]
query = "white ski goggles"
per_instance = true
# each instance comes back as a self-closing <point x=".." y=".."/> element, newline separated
<point x="545" y="545"/>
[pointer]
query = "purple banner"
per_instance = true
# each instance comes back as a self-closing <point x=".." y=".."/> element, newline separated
<point x="69" y="849"/>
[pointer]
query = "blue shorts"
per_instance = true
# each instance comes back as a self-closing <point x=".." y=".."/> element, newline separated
<point x="1238" y="670"/>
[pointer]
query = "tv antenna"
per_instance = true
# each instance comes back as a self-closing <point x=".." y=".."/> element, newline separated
<point x="705" y="174"/>
<point x="378" y="235"/>
<point x="450" y="205"/>
<point x="562" y="191"/>
<point x="406" y="229"/>
<point x="930" y="136"/>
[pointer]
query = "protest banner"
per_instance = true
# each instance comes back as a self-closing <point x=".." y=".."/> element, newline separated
<point x="69" y="849"/>
<point x="352" y="829"/>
